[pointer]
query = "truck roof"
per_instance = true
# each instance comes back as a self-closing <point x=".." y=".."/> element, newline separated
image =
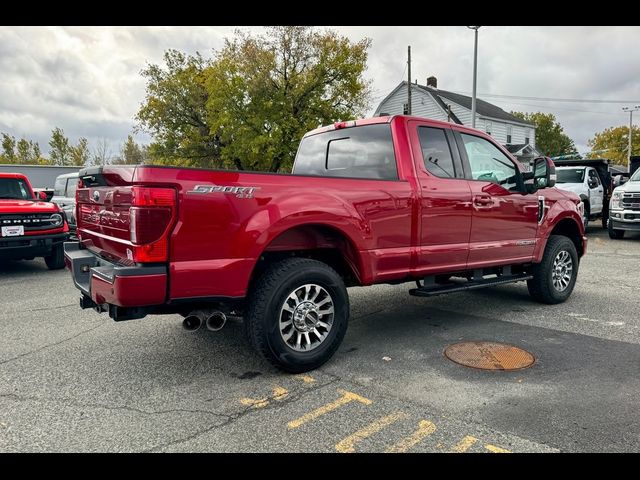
<point x="13" y="175"/>
<point x="387" y="119"/>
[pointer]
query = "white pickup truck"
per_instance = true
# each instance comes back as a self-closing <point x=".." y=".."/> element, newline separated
<point x="585" y="182"/>
<point x="624" y="214"/>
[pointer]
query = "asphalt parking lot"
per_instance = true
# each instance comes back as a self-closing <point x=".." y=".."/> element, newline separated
<point x="73" y="380"/>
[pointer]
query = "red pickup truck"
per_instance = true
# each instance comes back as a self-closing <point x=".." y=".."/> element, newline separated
<point x="383" y="200"/>
<point x="29" y="226"/>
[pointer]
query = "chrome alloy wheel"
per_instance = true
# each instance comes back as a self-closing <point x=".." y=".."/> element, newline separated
<point x="306" y="317"/>
<point x="562" y="271"/>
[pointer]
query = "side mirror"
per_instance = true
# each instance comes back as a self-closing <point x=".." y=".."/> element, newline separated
<point x="42" y="196"/>
<point x="592" y="183"/>
<point x="543" y="175"/>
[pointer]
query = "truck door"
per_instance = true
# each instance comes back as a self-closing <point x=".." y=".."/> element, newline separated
<point x="595" y="190"/>
<point x="445" y="200"/>
<point x="504" y="220"/>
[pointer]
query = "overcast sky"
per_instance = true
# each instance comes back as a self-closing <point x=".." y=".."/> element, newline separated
<point x="87" y="80"/>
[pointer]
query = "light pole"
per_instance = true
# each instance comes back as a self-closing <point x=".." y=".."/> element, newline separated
<point x="475" y="71"/>
<point x="630" y="110"/>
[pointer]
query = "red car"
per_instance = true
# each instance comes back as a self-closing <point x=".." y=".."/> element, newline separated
<point x="29" y="226"/>
<point x="384" y="200"/>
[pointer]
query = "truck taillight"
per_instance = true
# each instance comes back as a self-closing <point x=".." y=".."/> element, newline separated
<point x="151" y="215"/>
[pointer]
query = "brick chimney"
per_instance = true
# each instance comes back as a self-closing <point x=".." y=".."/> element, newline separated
<point x="432" y="82"/>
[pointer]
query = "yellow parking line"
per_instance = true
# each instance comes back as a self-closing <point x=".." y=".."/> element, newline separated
<point x="346" y="397"/>
<point x="494" y="449"/>
<point x="425" y="428"/>
<point x="306" y="378"/>
<point x="465" y="444"/>
<point x="348" y="444"/>
<point x="279" y="394"/>
<point x="255" y="403"/>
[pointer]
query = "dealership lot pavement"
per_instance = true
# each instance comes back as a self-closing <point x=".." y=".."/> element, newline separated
<point x="72" y="380"/>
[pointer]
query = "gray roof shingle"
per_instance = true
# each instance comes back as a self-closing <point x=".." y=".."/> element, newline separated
<point x="483" y="108"/>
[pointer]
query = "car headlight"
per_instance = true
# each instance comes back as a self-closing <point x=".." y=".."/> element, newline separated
<point x="615" y="201"/>
<point x="56" y="220"/>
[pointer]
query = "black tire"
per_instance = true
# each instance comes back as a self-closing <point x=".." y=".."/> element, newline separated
<point x="266" y="300"/>
<point x="541" y="287"/>
<point x="55" y="261"/>
<point x="586" y="216"/>
<point x="614" y="233"/>
<point x="605" y="217"/>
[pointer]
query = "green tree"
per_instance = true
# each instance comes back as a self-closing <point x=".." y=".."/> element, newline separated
<point x="61" y="151"/>
<point x="174" y="111"/>
<point x="266" y="91"/>
<point x="8" y="148"/>
<point x="36" y="154"/>
<point x="615" y="140"/>
<point x="80" y="153"/>
<point x="23" y="152"/>
<point x="550" y="137"/>
<point x="131" y="153"/>
<point x="249" y="107"/>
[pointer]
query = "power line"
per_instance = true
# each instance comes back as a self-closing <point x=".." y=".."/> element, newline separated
<point x="549" y="99"/>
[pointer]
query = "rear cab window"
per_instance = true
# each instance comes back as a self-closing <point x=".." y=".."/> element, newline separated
<point x="436" y="152"/>
<point x="356" y="152"/>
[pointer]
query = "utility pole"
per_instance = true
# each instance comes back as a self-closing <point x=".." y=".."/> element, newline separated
<point x="630" y="110"/>
<point x="409" y="80"/>
<point x="475" y="74"/>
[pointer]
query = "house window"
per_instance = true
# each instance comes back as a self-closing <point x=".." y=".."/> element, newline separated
<point x="405" y="109"/>
<point x="488" y="128"/>
<point x="527" y="133"/>
<point x="509" y="133"/>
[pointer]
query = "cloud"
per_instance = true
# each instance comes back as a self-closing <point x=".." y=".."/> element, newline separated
<point x="87" y="80"/>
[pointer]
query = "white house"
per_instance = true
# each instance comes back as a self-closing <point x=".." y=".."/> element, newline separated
<point x="430" y="102"/>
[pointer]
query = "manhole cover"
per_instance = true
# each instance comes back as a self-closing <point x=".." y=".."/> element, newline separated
<point x="489" y="356"/>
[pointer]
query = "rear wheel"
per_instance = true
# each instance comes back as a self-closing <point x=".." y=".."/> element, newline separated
<point x="605" y="216"/>
<point x="297" y="314"/>
<point x="55" y="261"/>
<point x="586" y="215"/>
<point x="614" y="233"/>
<point x="554" y="277"/>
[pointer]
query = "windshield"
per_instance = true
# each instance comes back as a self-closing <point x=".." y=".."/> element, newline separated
<point x="636" y="176"/>
<point x="14" y="188"/>
<point x="570" y="175"/>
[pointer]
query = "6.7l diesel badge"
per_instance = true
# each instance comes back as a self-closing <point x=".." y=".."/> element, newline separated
<point x="239" y="192"/>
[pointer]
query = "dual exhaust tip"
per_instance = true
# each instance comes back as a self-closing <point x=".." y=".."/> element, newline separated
<point x="213" y="319"/>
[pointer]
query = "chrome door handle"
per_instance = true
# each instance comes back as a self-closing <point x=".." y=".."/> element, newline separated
<point x="482" y="201"/>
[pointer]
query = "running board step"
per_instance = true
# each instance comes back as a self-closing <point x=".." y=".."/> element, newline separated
<point x="460" y="287"/>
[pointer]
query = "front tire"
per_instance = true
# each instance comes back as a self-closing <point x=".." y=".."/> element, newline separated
<point x="55" y="261"/>
<point x="554" y="277"/>
<point x="613" y="233"/>
<point x="297" y="314"/>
